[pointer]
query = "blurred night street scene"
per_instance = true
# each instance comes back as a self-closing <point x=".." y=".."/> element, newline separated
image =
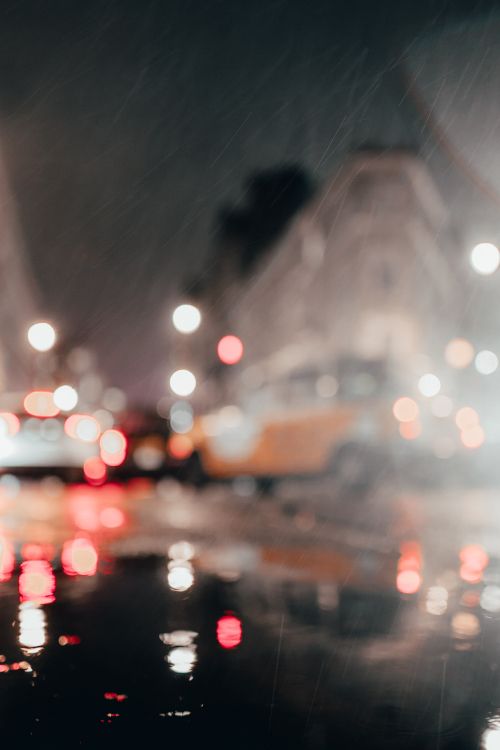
<point x="249" y="374"/>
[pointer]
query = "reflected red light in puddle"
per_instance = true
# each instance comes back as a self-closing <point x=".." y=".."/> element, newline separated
<point x="7" y="560"/>
<point x="69" y="640"/>
<point x="409" y="580"/>
<point x="229" y="631"/>
<point x="119" y="697"/>
<point x="94" y="469"/>
<point x="79" y="558"/>
<point x="37" y="582"/>
<point x="34" y="551"/>
<point x="112" y="518"/>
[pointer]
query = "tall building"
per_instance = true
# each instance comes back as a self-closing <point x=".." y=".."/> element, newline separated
<point x="361" y="272"/>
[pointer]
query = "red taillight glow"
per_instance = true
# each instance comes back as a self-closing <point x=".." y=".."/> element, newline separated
<point x="230" y="350"/>
<point x="37" y="582"/>
<point x="94" y="469"/>
<point x="40" y="404"/>
<point x="79" y="558"/>
<point x="229" y="631"/>
<point x="474" y="560"/>
<point x="34" y="551"/>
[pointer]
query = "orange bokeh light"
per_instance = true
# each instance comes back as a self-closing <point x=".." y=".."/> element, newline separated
<point x="40" y="404"/>
<point x="472" y="437"/>
<point x="410" y="430"/>
<point x="466" y="417"/>
<point x="180" y="447"/>
<point x="405" y="409"/>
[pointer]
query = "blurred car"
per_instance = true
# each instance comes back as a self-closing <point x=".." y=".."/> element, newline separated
<point x="34" y="446"/>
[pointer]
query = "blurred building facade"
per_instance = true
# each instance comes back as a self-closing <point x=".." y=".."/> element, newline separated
<point x="18" y="297"/>
<point x="362" y="271"/>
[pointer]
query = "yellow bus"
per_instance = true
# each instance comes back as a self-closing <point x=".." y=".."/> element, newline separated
<point x="308" y="422"/>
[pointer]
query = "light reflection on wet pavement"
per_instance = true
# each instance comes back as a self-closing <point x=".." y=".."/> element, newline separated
<point x="143" y="610"/>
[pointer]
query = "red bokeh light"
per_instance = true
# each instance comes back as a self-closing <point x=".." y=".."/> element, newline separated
<point x="113" y="442"/>
<point x="94" y="469"/>
<point x="474" y="556"/>
<point x="37" y="582"/>
<point x="230" y="350"/>
<point x="229" y="631"/>
<point x="112" y="518"/>
<point x="408" y="581"/>
<point x="40" y="404"/>
<point x="79" y="557"/>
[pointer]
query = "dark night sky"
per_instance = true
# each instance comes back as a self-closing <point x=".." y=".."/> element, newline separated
<point x="125" y="125"/>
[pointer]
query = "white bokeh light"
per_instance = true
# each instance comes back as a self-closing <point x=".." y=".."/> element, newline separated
<point x="186" y="318"/>
<point x="485" y="258"/>
<point x="429" y="385"/>
<point x="41" y="336"/>
<point x="182" y="382"/>
<point x="486" y="362"/>
<point x="65" y="397"/>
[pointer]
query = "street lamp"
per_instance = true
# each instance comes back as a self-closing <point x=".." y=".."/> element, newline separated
<point x="485" y="258"/>
<point x="182" y="382"/>
<point x="186" y="318"/>
<point x="41" y="336"/>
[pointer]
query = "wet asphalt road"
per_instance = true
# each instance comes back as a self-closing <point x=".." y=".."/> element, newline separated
<point x="231" y="620"/>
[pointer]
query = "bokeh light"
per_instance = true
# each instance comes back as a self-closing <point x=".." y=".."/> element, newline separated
<point x="429" y="385"/>
<point x="180" y="576"/>
<point x="186" y="318"/>
<point x="40" y="404"/>
<point x="466" y="417"/>
<point x="181" y="417"/>
<point x="459" y="353"/>
<point x="410" y="430"/>
<point x="408" y="581"/>
<point x="32" y="627"/>
<point x="87" y="429"/>
<point x="485" y="258"/>
<point x="41" y="336"/>
<point x="486" y="362"/>
<point x="65" y="397"/>
<point x="405" y="409"/>
<point x="94" y="470"/>
<point x="180" y="447"/>
<point x="37" y="582"/>
<point x="229" y="631"/>
<point x="230" y="350"/>
<point x="441" y="406"/>
<point x="182" y="382"/>
<point x="79" y="557"/>
<point x="472" y="437"/>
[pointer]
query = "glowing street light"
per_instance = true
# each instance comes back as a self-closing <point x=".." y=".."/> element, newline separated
<point x="41" y="336"/>
<point x="182" y="382"/>
<point x="485" y="258"/>
<point x="186" y="318"/>
<point x="65" y="397"/>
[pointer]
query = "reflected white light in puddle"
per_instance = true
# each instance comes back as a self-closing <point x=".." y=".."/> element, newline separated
<point x="181" y="551"/>
<point x="32" y="628"/>
<point x="490" y="599"/>
<point x="437" y="600"/>
<point x="182" y="659"/>
<point x="178" y="638"/>
<point x="491" y="738"/>
<point x="180" y="576"/>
